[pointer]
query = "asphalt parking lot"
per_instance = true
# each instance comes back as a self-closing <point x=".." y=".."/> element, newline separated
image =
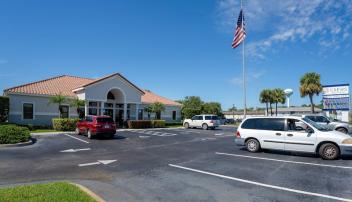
<point x="177" y="165"/>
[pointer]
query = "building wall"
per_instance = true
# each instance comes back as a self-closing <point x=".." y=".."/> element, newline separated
<point x="165" y="115"/>
<point x="43" y="111"/>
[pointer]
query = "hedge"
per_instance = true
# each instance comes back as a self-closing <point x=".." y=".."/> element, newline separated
<point x="158" y="123"/>
<point x="146" y="123"/>
<point x="12" y="134"/>
<point x="139" y="124"/>
<point x="64" y="124"/>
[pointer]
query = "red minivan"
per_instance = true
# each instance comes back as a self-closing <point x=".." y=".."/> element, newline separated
<point x="96" y="125"/>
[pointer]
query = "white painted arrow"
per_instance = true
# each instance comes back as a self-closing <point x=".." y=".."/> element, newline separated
<point x="104" y="162"/>
<point x="75" y="150"/>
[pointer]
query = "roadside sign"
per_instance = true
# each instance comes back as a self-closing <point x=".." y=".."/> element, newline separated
<point x="336" y="97"/>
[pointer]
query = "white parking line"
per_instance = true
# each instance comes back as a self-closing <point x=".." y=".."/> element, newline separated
<point x="76" y="138"/>
<point x="262" y="184"/>
<point x="285" y="161"/>
<point x="219" y="134"/>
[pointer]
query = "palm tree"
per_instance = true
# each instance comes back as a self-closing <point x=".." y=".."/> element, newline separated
<point x="78" y="104"/>
<point x="278" y="96"/>
<point x="157" y="108"/>
<point x="310" y="85"/>
<point x="264" y="97"/>
<point x="58" y="99"/>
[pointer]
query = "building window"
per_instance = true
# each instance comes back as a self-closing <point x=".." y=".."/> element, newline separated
<point x="140" y="114"/>
<point x="27" y="111"/>
<point x="93" y="111"/>
<point x="174" y="115"/>
<point x="94" y="108"/>
<point x="111" y="96"/>
<point x="64" y="111"/>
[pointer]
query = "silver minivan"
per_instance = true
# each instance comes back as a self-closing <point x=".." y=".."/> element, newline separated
<point x="283" y="133"/>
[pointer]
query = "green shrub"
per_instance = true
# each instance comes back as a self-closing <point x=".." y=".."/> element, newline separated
<point x="63" y="124"/>
<point x="139" y="124"/>
<point x="158" y="123"/>
<point x="12" y="134"/>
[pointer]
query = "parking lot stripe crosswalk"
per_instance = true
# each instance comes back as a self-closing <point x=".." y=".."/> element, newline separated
<point x="284" y="161"/>
<point x="76" y="138"/>
<point x="263" y="185"/>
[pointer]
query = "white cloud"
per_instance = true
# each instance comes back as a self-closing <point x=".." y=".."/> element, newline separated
<point x="273" y="22"/>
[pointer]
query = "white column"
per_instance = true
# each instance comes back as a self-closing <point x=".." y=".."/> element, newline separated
<point x="124" y="111"/>
<point x="102" y="108"/>
<point x="86" y="108"/>
<point x="137" y="109"/>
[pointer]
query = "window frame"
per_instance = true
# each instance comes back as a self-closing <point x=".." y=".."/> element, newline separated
<point x="68" y="110"/>
<point x="33" y="110"/>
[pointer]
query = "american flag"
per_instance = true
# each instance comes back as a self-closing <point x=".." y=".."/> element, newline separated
<point x="240" y="33"/>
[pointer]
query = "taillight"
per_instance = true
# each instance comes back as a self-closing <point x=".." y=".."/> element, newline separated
<point x="238" y="135"/>
<point x="97" y="126"/>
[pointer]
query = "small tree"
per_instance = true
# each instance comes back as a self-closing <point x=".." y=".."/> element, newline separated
<point x="157" y="108"/>
<point x="77" y="103"/>
<point x="191" y="105"/>
<point x="212" y="108"/>
<point x="58" y="99"/>
<point x="278" y="96"/>
<point x="4" y="108"/>
<point x="264" y="97"/>
<point x="148" y="110"/>
<point x="310" y="85"/>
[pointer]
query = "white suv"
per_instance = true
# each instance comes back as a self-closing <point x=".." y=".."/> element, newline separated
<point x="283" y="133"/>
<point x="204" y="121"/>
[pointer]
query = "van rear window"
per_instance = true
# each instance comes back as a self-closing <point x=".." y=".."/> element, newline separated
<point x="276" y="124"/>
<point x="211" y="118"/>
<point x="105" y="120"/>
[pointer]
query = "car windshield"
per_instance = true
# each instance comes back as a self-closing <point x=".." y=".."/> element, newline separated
<point x="315" y="125"/>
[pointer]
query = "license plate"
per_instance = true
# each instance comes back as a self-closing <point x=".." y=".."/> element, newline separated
<point x="107" y="126"/>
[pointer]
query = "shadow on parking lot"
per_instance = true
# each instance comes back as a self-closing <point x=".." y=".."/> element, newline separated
<point x="116" y="137"/>
<point x="289" y="153"/>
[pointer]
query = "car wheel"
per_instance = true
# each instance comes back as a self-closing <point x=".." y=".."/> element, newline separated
<point x="205" y="126"/>
<point x="89" y="134"/>
<point x="253" y="145"/>
<point x="77" y="131"/>
<point x="329" y="151"/>
<point x="342" y="130"/>
<point x="186" y="125"/>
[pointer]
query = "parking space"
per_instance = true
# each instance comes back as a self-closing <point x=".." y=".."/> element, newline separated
<point x="177" y="165"/>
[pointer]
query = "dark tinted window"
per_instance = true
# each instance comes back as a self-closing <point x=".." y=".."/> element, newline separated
<point x="277" y="124"/>
<point x="312" y="118"/>
<point x="320" y="119"/>
<point x="27" y="111"/>
<point x="211" y="118"/>
<point x="173" y="115"/>
<point x="89" y="119"/>
<point x="64" y="111"/>
<point x="104" y="120"/>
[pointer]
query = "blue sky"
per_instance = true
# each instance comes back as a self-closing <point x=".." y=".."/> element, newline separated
<point x="178" y="48"/>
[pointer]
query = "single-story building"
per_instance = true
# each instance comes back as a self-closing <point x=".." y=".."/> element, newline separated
<point x="111" y="95"/>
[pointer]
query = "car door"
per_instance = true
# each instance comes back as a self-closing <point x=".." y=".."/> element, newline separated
<point x="297" y="139"/>
<point x="193" y="122"/>
<point x="199" y="121"/>
<point x="271" y="132"/>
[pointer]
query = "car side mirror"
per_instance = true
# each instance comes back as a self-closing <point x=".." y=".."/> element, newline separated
<point x="309" y="130"/>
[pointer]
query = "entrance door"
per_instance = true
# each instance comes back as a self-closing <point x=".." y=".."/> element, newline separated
<point x="119" y="117"/>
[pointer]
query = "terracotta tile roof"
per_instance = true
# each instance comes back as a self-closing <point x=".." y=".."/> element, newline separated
<point x="150" y="97"/>
<point x="66" y="84"/>
<point x="61" y="84"/>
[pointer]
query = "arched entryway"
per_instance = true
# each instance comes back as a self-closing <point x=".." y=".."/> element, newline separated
<point x="115" y="106"/>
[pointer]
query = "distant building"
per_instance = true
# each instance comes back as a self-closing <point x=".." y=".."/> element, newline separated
<point x="280" y="111"/>
<point x="112" y="95"/>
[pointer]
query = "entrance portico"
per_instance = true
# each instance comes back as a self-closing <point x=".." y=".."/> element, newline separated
<point x="113" y="96"/>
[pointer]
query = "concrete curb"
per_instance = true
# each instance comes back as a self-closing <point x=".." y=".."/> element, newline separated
<point x="21" y="144"/>
<point x="121" y="130"/>
<point x="89" y="192"/>
<point x="53" y="133"/>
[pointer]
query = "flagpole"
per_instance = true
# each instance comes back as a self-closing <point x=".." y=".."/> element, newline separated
<point x="244" y="75"/>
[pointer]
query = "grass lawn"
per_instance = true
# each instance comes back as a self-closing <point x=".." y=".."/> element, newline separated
<point x="58" y="191"/>
<point x="174" y="126"/>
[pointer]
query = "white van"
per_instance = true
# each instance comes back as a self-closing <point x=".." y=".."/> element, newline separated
<point x="204" y="121"/>
<point x="281" y="133"/>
